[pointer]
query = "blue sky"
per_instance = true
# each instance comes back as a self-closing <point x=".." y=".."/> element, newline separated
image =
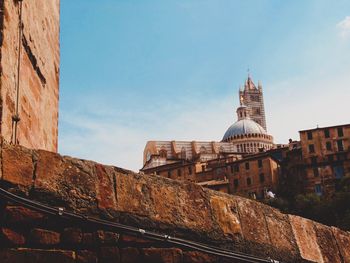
<point x="134" y="70"/>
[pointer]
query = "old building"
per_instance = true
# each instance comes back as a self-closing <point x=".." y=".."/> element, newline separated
<point x="208" y="163"/>
<point x="252" y="97"/>
<point x="247" y="135"/>
<point x="325" y="157"/>
<point x="29" y="79"/>
<point x="252" y="175"/>
<point x="158" y="153"/>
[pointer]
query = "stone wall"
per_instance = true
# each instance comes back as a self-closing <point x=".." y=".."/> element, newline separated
<point x="152" y="203"/>
<point x="39" y="72"/>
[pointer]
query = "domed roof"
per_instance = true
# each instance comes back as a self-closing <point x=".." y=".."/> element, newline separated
<point x="243" y="126"/>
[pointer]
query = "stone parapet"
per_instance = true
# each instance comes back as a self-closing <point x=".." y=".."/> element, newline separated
<point x="153" y="203"/>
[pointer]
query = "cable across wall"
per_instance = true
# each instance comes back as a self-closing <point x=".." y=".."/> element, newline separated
<point x="130" y="230"/>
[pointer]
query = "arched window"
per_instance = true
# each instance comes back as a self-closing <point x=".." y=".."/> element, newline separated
<point x="163" y="153"/>
<point x="249" y="181"/>
<point x="203" y="150"/>
<point x="262" y="178"/>
<point x="183" y="153"/>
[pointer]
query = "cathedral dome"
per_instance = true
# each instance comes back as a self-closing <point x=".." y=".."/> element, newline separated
<point x="243" y="126"/>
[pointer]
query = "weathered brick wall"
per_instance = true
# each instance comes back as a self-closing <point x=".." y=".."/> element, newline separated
<point x="39" y="73"/>
<point x="153" y="203"/>
<point x="28" y="236"/>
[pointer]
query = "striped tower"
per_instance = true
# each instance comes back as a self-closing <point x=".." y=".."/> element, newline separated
<point x="252" y="97"/>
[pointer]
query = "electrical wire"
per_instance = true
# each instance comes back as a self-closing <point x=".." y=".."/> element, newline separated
<point x="15" y="117"/>
<point x="134" y="231"/>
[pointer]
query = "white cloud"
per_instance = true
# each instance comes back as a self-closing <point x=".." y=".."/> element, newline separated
<point x="344" y="27"/>
<point x="117" y="142"/>
<point x="289" y="109"/>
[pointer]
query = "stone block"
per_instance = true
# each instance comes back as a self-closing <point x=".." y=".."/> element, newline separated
<point x="130" y="255"/>
<point x="67" y="179"/>
<point x="72" y="236"/>
<point x="127" y="239"/>
<point x="17" y="163"/>
<point x="327" y="244"/>
<point x="253" y="224"/>
<point x="109" y="255"/>
<point x="343" y="242"/>
<point x="166" y="201"/>
<point x="106" y="237"/>
<point x="49" y="167"/>
<point x="105" y="187"/>
<point x="21" y="215"/>
<point x="11" y="237"/>
<point x="226" y="215"/>
<point x="86" y="256"/>
<point x="88" y="239"/>
<point x="127" y="185"/>
<point x="198" y="257"/>
<point x="28" y="255"/>
<point x="280" y="230"/>
<point x="162" y="255"/>
<point x="305" y="236"/>
<point x="44" y="237"/>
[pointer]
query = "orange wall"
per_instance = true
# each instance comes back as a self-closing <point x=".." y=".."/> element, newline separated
<point x="39" y="73"/>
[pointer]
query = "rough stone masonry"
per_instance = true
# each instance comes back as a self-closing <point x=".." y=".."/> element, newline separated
<point x="150" y="202"/>
<point x="39" y="71"/>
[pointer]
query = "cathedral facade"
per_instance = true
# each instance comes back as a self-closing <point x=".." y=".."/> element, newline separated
<point x="240" y="162"/>
<point x="246" y="136"/>
<point x="248" y="133"/>
<point x="252" y="97"/>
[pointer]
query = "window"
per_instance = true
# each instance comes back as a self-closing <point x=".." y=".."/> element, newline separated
<point x="338" y="171"/>
<point x="318" y="189"/>
<point x="260" y="163"/>
<point x="163" y="153"/>
<point x="247" y="166"/>
<point x="203" y="168"/>
<point x="326" y="133"/>
<point x="203" y="150"/>
<point x="314" y="160"/>
<point x="262" y="178"/>
<point x="329" y="146"/>
<point x="169" y="174"/>
<point x="254" y="98"/>
<point x="218" y="171"/>
<point x="157" y="173"/>
<point x="309" y="135"/>
<point x="341" y="157"/>
<point x="340" y="132"/>
<point x="249" y="181"/>
<point x="311" y="148"/>
<point x="316" y="173"/>
<point x="340" y="145"/>
<point x="183" y="153"/>
<point x="178" y="172"/>
<point x="189" y="170"/>
<point x="236" y="168"/>
<point x="235" y="183"/>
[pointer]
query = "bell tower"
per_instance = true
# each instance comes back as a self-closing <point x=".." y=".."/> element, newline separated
<point x="252" y="97"/>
